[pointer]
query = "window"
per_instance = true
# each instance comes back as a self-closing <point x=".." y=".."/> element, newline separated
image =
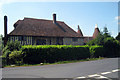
<point x="59" y="41"/>
<point x="19" y="38"/>
<point x="50" y="41"/>
<point x="22" y="38"/>
<point x="41" y="42"/>
<point x="74" y="39"/>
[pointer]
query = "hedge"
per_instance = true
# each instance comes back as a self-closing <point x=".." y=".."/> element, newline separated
<point x="33" y="54"/>
<point x="97" y="51"/>
<point x="53" y="53"/>
<point x="112" y="47"/>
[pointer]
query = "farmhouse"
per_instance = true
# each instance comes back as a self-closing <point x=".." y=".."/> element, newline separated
<point x="30" y="31"/>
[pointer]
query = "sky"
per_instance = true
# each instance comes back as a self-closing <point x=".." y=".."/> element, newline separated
<point x="85" y="14"/>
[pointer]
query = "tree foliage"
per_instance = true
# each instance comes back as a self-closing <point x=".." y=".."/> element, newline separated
<point x="110" y="45"/>
<point x="106" y="33"/>
<point x="1" y="44"/>
<point x="101" y="38"/>
<point x="11" y="46"/>
<point x="118" y="37"/>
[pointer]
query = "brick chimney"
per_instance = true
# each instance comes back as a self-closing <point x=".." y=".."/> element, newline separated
<point x="96" y="31"/>
<point x="5" y="30"/>
<point x="79" y="31"/>
<point x="54" y="18"/>
<point x="5" y="26"/>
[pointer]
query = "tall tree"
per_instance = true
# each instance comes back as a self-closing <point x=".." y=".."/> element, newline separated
<point x="106" y="33"/>
<point x="105" y="30"/>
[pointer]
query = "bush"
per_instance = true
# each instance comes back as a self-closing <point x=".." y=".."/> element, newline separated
<point x="112" y="47"/>
<point x="16" y="57"/>
<point x="99" y="40"/>
<point x="53" y="53"/>
<point x="13" y="45"/>
<point x="33" y="54"/>
<point x="3" y="61"/>
<point x="96" y="51"/>
<point x="1" y="44"/>
<point x="6" y="53"/>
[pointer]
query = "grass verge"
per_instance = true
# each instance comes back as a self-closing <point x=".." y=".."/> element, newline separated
<point x="60" y="62"/>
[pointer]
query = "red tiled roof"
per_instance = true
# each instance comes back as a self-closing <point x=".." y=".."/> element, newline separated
<point x="41" y="27"/>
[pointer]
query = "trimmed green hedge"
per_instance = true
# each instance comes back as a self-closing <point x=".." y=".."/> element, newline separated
<point x="97" y="51"/>
<point x="112" y="47"/>
<point x="53" y="53"/>
<point x="33" y="54"/>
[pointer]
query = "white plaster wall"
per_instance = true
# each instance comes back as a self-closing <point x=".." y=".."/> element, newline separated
<point x="69" y="41"/>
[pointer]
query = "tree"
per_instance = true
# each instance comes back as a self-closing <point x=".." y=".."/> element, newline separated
<point x="106" y="33"/>
<point x="11" y="46"/>
<point x="111" y="46"/>
<point x="1" y="44"/>
<point x="99" y="40"/>
<point x="105" y="30"/>
<point x="118" y="37"/>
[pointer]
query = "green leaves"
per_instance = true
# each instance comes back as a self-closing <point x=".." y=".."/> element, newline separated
<point x="112" y="47"/>
<point x="118" y="37"/>
<point x="1" y="43"/>
<point x="13" y="45"/>
<point x="96" y="51"/>
<point x="54" y="53"/>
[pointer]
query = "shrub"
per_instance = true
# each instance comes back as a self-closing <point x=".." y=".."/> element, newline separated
<point x="6" y="53"/>
<point x="112" y="47"/>
<point x="3" y="62"/>
<point x="99" y="40"/>
<point x="33" y="54"/>
<point x="53" y="53"/>
<point x="96" y="51"/>
<point x="16" y="57"/>
<point x="1" y="44"/>
<point x="13" y="45"/>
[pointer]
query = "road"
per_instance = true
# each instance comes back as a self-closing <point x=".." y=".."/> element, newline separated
<point x="105" y="68"/>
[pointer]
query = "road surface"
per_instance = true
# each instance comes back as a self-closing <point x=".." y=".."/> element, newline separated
<point x="105" y="68"/>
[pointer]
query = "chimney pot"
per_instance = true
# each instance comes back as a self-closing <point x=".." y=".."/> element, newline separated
<point x="5" y="30"/>
<point x="54" y="18"/>
<point x="5" y="26"/>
